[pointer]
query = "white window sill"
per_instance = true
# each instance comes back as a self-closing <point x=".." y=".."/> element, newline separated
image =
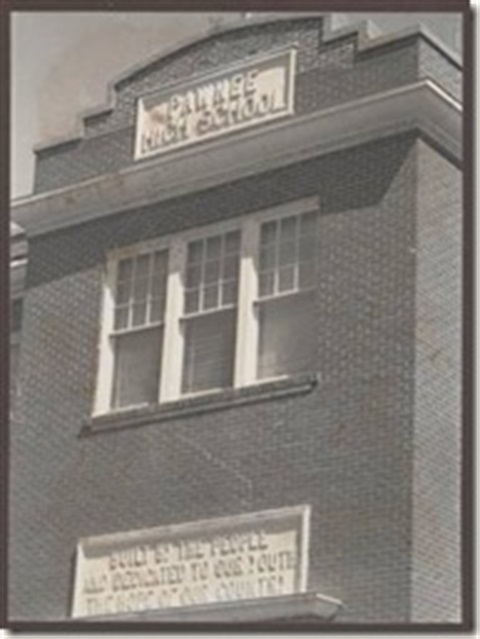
<point x="194" y="405"/>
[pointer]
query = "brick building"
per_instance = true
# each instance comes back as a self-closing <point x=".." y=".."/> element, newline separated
<point x="242" y="309"/>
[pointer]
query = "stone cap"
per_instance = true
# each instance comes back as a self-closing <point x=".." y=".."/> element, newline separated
<point x="305" y="606"/>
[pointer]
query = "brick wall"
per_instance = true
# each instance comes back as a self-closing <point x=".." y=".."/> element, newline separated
<point x="345" y="448"/>
<point x="438" y="393"/>
<point x="436" y="66"/>
<point x="328" y="73"/>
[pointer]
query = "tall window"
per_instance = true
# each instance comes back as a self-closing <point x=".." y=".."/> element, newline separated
<point x="209" y="310"/>
<point x="211" y="291"/>
<point x="286" y="281"/>
<point x="138" y="328"/>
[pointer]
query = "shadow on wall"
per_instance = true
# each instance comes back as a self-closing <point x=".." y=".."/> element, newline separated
<point x="84" y="246"/>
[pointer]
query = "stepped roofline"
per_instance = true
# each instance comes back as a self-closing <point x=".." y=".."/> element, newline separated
<point x="368" y="37"/>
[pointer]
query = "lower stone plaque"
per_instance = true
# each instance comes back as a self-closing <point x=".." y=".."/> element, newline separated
<point x="249" y="556"/>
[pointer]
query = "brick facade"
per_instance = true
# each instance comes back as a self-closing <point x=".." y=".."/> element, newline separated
<point x="436" y="491"/>
<point x="362" y="447"/>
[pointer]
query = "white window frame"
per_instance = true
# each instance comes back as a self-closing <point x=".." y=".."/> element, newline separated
<point x="247" y="331"/>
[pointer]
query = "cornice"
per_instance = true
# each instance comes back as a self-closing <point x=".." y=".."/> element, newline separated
<point x="423" y="106"/>
<point x="368" y="38"/>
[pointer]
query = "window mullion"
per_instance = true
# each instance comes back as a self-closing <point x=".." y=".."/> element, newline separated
<point x="105" y="348"/>
<point x="201" y="290"/>
<point x="171" y="369"/>
<point x="131" y="299"/>
<point x="247" y="325"/>
<point x="297" y="257"/>
<point x="276" y="249"/>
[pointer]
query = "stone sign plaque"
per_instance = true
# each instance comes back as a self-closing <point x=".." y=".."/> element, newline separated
<point x="241" y="96"/>
<point x="249" y="556"/>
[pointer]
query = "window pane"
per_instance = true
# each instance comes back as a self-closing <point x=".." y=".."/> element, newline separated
<point x="212" y="271"/>
<point x="229" y="293"/>
<point x="284" y="247"/>
<point x="137" y="368"/>
<point x="211" y="263"/>
<point x="287" y="343"/>
<point x="210" y="297"/>
<point x="157" y="309"/>
<point x="140" y="288"/>
<point x="139" y="314"/>
<point x="288" y="229"/>
<point x="209" y="352"/>
<point x="194" y="274"/>
<point x="121" y="317"/>
<point x="159" y="287"/>
<point x="142" y="266"/>
<point x="230" y="268"/>
<point x="192" y="301"/>
<point x="266" y="283"/>
<point x="287" y="253"/>
<point x="123" y="292"/>
<point x="267" y="257"/>
<point x="213" y="247"/>
<point x="286" y="279"/>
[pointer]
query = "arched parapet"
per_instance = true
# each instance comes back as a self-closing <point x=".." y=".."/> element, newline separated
<point x="332" y="66"/>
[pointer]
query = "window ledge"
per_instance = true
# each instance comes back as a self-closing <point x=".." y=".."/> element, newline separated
<point x="193" y="406"/>
<point x="306" y="607"/>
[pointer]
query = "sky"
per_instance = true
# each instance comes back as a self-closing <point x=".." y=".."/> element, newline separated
<point x="62" y="62"/>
